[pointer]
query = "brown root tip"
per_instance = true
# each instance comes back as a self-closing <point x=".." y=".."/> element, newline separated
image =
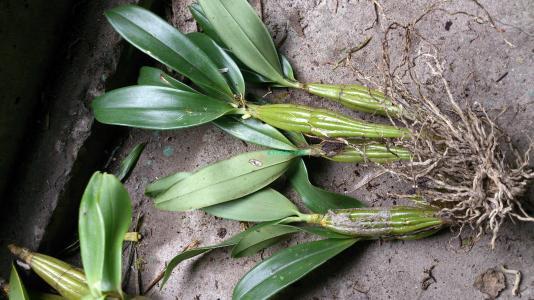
<point x="22" y="253"/>
<point x="16" y="250"/>
<point x="4" y="286"/>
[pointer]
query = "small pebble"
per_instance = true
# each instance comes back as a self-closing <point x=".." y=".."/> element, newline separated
<point x="168" y="151"/>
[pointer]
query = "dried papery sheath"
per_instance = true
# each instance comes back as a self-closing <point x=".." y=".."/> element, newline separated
<point x="399" y="222"/>
<point x="321" y="122"/>
<point x="356" y="97"/>
<point x="67" y="280"/>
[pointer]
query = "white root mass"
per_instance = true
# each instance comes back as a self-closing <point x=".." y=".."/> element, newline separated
<point x="462" y="162"/>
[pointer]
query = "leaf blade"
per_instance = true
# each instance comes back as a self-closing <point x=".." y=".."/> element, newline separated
<point x="105" y="215"/>
<point x="261" y="206"/>
<point x="243" y="32"/>
<point x="154" y="107"/>
<point x="287" y="68"/>
<point x="207" y="28"/>
<point x="254" y="131"/>
<point x="161" y="185"/>
<point x="226" y="180"/>
<point x="197" y="251"/>
<point x="152" y="35"/>
<point x="16" y="287"/>
<point x="316" y="199"/>
<point x="222" y="60"/>
<point x="155" y="76"/>
<point x="323" y="232"/>
<point x="282" y="269"/>
<point x="129" y="162"/>
<point x="261" y="236"/>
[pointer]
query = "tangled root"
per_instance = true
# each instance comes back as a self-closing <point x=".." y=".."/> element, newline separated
<point x="462" y="162"/>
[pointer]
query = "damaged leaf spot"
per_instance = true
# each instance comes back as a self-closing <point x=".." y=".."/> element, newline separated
<point x="255" y="162"/>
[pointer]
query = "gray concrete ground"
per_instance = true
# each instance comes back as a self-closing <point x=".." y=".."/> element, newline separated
<point x="485" y="64"/>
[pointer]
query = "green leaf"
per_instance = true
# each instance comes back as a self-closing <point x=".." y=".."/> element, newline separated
<point x="204" y="23"/>
<point x="324" y="232"/>
<point x="317" y="199"/>
<point x="287" y="266"/>
<point x="250" y="76"/>
<point x="226" y="180"/>
<point x="155" y="37"/>
<point x="129" y="162"/>
<point x="261" y="236"/>
<point x="197" y="251"/>
<point x="161" y="185"/>
<point x="297" y="139"/>
<point x="255" y="78"/>
<point x="222" y="60"/>
<point x="261" y="206"/>
<point x="254" y="131"/>
<point x="154" y="76"/>
<point x="105" y="215"/>
<point x="287" y="68"/>
<point x="17" y="291"/>
<point x="264" y="205"/>
<point x="155" y="107"/>
<point x="243" y="32"/>
<point x="248" y="242"/>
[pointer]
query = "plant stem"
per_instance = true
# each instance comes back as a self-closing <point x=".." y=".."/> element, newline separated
<point x="321" y="122"/>
<point x="341" y="151"/>
<point x="291" y="84"/>
<point x="67" y="280"/>
<point x="355" y="97"/>
<point x="398" y="222"/>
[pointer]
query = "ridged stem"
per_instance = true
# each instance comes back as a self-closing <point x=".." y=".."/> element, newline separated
<point x="321" y="122"/>
<point x="355" y="153"/>
<point x="355" y="97"/>
<point x="67" y="280"/>
<point x="398" y="222"/>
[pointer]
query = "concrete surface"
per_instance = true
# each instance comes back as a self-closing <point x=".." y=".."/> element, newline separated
<point x="30" y="34"/>
<point x="477" y="57"/>
<point x="62" y="145"/>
